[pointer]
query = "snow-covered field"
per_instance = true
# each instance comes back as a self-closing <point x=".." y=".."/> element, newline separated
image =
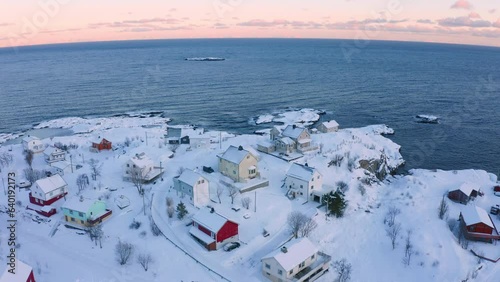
<point x="359" y="237"/>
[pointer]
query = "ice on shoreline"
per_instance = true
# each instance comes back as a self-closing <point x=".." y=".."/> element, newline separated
<point x="302" y="117"/>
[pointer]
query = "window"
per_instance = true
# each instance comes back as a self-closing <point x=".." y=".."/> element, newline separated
<point x="301" y="186"/>
<point x="268" y="266"/>
<point x="203" y="181"/>
<point x="80" y="214"/>
<point x="70" y="212"/>
<point x="251" y="171"/>
<point x="302" y="264"/>
<point x="81" y="221"/>
<point x="280" y="272"/>
<point x="72" y="219"/>
<point x="234" y="171"/>
<point x="291" y="272"/>
<point x="312" y="257"/>
<point x="312" y="187"/>
<point x="318" y="176"/>
<point x="128" y="165"/>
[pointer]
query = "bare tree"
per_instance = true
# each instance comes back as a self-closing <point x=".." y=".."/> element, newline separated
<point x="170" y="211"/>
<point x="308" y="226"/>
<point x="170" y="202"/>
<point x="245" y="202"/>
<point x="123" y="251"/>
<point x="28" y="157"/>
<point x="82" y="181"/>
<point x="219" y="192"/>
<point x="173" y="147"/>
<point x="343" y="269"/>
<point x="137" y="178"/>
<point x="232" y="193"/>
<point x="144" y="260"/>
<point x="408" y="248"/>
<point x="127" y="142"/>
<point x="96" y="234"/>
<point x="462" y="240"/>
<point x="393" y="232"/>
<point x="180" y="170"/>
<point x="443" y="208"/>
<point x="6" y="160"/>
<point x="32" y="175"/>
<point x="390" y="217"/>
<point x="300" y="224"/>
<point x="95" y="168"/>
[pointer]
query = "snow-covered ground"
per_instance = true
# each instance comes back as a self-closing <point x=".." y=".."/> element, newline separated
<point x="359" y="237"/>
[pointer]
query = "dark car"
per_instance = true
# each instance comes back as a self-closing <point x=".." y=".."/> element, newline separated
<point x="231" y="246"/>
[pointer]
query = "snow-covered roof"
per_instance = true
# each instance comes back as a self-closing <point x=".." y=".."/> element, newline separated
<point x="22" y="273"/>
<point x="330" y="124"/>
<point x="468" y="187"/>
<point x="173" y="132"/>
<point x="62" y="165"/>
<point x="28" y="139"/>
<point x="302" y="141"/>
<point x="234" y="155"/>
<point x="52" y="150"/>
<point x="301" y="172"/>
<point x="51" y="183"/>
<point x="189" y="177"/>
<point x="77" y="205"/>
<point x="141" y="160"/>
<point x="201" y="235"/>
<point x="293" y="131"/>
<point x="211" y="220"/>
<point x="287" y="140"/>
<point x="297" y="251"/>
<point x="474" y="214"/>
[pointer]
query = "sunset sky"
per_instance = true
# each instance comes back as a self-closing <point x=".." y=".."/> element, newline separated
<point x="31" y="22"/>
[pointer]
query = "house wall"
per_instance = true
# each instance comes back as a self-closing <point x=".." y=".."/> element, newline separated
<point x="480" y="228"/>
<point x="60" y="156"/>
<point x="247" y="162"/>
<point x="185" y="189"/>
<point x="38" y="193"/>
<point x="201" y="195"/>
<point x="295" y="183"/>
<point x="146" y="169"/>
<point x="272" y="273"/>
<point x="97" y="208"/>
<point x="458" y="196"/>
<point x="304" y="135"/>
<point x="229" y="169"/>
<point x="35" y="146"/>
<point x="228" y="230"/>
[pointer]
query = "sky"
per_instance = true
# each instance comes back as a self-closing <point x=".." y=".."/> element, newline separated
<point x="30" y="22"/>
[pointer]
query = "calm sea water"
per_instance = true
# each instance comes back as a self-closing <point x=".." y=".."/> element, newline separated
<point x="384" y="82"/>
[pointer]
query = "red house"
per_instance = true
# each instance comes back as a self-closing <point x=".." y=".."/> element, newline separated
<point x="103" y="145"/>
<point x="478" y="225"/>
<point x="213" y="230"/>
<point x="464" y="193"/>
<point x="22" y="273"/>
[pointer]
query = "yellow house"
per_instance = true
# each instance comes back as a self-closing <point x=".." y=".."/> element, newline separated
<point x="238" y="164"/>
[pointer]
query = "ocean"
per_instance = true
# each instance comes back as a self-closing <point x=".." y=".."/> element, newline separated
<point x="379" y="82"/>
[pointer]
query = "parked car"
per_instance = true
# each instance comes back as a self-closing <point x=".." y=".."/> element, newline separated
<point x="24" y="184"/>
<point x="231" y="246"/>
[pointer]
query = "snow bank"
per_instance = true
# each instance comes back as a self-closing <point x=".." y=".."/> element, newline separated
<point x="302" y="117"/>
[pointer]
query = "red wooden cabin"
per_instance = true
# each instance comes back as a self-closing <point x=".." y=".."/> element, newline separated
<point x="213" y="230"/>
<point x="103" y="145"/>
<point x="478" y="225"/>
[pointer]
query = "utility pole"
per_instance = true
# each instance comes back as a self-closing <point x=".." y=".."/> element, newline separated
<point x="255" y="202"/>
<point x="71" y="162"/>
<point x="146" y="138"/>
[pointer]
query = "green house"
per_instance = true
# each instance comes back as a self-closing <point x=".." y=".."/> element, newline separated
<point x="85" y="212"/>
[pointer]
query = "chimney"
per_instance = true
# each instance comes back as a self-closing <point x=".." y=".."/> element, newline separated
<point x="306" y="165"/>
<point x="294" y="126"/>
<point x="212" y="210"/>
<point x="284" y="249"/>
<point x="81" y="198"/>
<point x="240" y="148"/>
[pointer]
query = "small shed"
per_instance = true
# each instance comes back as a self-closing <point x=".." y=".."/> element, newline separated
<point x="104" y="144"/>
<point x="328" y="126"/>
<point x="464" y="193"/>
<point x="478" y="225"/>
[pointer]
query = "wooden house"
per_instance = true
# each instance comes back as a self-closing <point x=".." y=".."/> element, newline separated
<point x="48" y="190"/>
<point x="328" y="126"/>
<point x="464" y="193"/>
<point x="302" y="180"/>
<point x="33" y="144"/>
<point x="213" y="230"/>
<point x="478" y="225"/>
<point x="193" y="186"/>
<point x="238" y="164"/>
<point x="104" y="144"/>
<point x="85" y="212"/>
<point x="22" y="273"/>
<point x="298" y="260"/>
<point x="53" y="154"/>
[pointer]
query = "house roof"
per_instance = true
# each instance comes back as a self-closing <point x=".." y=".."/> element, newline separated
<point x="234" y="155"/>
<point x="61" y="165"/>
<point x="468" y="187"/>
<point x="200" y="235"/>
<point x="298" y="250"/>
<point x="474" y="214"/>
<point x="30" y="138"/>
<point x="287" y="140"/>
<point x="51" y="150"/>
<point x="189" y="177"/>
<point x="293" y="131"/>
<point x="173" y="132"/>
<point x="141" y="160"/>
<point x="211" y="220"/>
<point x="22" y="273"/>
<point x="101" y="141"/>
<point x="79" y="206"/>
<point x="330" y="124"/>
<point x="51" y="183"/>
<point x="301" y="172"/>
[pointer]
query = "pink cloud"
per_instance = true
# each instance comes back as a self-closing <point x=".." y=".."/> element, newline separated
<point x="474" y="15"/>
<point x="497" y="23"/>
<point x="492" y="11"/>
<point x="462" y="4"/>
<point x="464" y="22"/>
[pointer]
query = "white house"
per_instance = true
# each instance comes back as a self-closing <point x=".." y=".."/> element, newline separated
<point x="194" y="186"/>
<point x="298" y="260"/>
<point x="33" y="144"/>
<point x="53" y="154"/>
<point x="301" y="180"/>
<point x="63" y="167"/>
<point x="328" y="126"/>
<point x="23" y="273"/>
<point x="48" y="190"/>
<point x="291" y="139"/>
<point x="238" y="164"/>
<point x="142" y="166"/>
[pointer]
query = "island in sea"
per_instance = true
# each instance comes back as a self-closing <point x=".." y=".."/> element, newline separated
<point x="301" y="197"/>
